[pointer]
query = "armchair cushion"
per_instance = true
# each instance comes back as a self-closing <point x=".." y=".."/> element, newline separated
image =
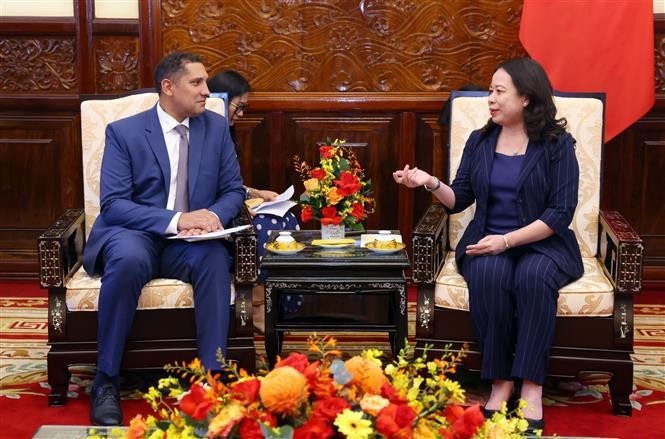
<point x="83" y="293"/>
<point x="591" y="296"/>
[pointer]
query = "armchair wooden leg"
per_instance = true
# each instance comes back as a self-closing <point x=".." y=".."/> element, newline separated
<point x="621" y="386"/>
<point x="58" y="379"/>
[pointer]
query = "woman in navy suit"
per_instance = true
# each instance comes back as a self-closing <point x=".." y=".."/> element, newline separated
<point x="518" y="251"/>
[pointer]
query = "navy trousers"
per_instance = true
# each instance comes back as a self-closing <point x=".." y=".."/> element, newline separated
<point x="513" y="301"/>
<point x="130" y="259"/>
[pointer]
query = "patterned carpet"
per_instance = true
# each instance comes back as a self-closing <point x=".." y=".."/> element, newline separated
<point x="23" y="332"/>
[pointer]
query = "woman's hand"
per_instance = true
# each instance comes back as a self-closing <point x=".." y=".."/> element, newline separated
<point x="266" y="194"/>
<point x="489" y="245"/>
<point x="414" y="177"/>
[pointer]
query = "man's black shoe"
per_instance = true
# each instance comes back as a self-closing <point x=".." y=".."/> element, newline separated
<point x="105" y="405"/>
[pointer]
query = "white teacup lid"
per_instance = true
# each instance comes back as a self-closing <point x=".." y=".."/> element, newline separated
<point x="284" y="237"/>
<point x="384" y="235"/>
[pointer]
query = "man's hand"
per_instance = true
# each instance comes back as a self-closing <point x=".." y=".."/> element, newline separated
<point x="489" y="245"/>
<point x="198" y="222"/>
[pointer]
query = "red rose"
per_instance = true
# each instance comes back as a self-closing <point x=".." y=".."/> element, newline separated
<point x="250" y="428"/>
<point x="296" y="360"/>
<point x="358" y="211"/>
<point x="313" y="429"/>
<point x="329" y="408"/>
<point x="318" y="173"/>
<point x="330" y="216"/>
<point x="465" y="423"/>
<point x="325" y="151"/>
<point x="196" y="404"/>
<point x="347" y="183"/>
<point x="395" y="421"/>
<point x="389" y="392"/>
<point x="306" y="214"/>
<point x="246" y="392"/>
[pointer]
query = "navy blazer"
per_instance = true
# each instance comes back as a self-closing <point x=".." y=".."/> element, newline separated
<point x="546" y="189"/>
<point x="136" y="173"/>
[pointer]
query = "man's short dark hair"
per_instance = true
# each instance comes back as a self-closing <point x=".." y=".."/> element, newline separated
<point x="172" y="66"/>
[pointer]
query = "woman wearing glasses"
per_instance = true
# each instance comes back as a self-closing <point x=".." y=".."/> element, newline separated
<point x="237" y="89"/>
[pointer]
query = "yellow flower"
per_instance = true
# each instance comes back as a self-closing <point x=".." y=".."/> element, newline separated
<point x="283" y="390"/>
<point x="311" y="185"/>
<point x="352" y="425"/>
<point x="372" y="404"/>
<point x="423" y="431"/>
<point x="334" y="196"/>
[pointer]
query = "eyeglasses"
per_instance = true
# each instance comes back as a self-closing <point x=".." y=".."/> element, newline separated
<point x="241" y="106"/>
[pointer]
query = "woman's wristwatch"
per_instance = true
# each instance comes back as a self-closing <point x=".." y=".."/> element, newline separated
<point x="438" y="185"/>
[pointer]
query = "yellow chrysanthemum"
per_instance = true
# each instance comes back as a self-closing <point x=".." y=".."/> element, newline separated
<point x="455" y="390"/>
<point x="283" y="390"/>
<point x="351" y="424"/>
<point x="423" y="431"/>
<point x="367" y="375"/>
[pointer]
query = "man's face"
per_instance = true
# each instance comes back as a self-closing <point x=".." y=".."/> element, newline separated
<point x="185" y="94"/>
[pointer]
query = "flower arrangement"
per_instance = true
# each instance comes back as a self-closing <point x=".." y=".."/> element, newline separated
<point x="321" y="397"/>
<point x="336" y="191"/>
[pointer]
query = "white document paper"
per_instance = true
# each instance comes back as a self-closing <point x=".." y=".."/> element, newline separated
<point x="212" y="235"/>
<point x="279" y="206"/>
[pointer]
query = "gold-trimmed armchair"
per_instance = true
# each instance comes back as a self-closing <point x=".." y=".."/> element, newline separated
<point x="164" y="329"/>
<point x="594" y="325"/>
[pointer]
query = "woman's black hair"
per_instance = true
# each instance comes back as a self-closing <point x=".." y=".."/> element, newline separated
<point x="233" y="84"/>
<point x="530" y="80"/>
<point x="230" y="82"/>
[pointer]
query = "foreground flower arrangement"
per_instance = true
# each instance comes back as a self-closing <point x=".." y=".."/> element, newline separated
<point x="336" y="191"/>
<point x="321" y="398"/>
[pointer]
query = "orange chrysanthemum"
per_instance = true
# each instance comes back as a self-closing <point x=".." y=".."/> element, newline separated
<point x="283" y="390"/>
<point x="367" y="374"/>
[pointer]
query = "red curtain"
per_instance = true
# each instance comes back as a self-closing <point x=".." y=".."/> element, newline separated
<point x="596" y="45"/>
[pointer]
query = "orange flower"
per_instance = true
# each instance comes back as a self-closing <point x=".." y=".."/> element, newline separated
<point x="367" y="375"/>
<point x="334" y="196"/>
<point x="395" y="421"/>
<point x="296" y="360"/>
<point x="197" y="403"/>
<point x="283" y="390"/>
<point x="465" y="422"/>
<point x="246" y="392"/>
<point x="137" y="428"/>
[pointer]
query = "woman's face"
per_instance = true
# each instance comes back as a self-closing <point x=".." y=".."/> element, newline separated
<point x="506" y="104"/>
<point x="237" y="107"/>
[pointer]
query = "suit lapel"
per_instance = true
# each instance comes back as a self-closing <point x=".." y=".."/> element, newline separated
<point x="533" y="153"/>
<point x="196" y="141"/>
<point x="155" y="138"/>
<point x="487" y="158"/>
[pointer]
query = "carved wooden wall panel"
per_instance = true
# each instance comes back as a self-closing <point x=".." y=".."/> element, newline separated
<point x="347" y="45"/>
<point x="38" y="64"/>
<point x="116" y="64"/>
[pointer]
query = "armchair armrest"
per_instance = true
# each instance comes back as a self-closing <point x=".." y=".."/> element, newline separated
<point x="429" y="244"/>
<point x="620" y="253"/>
<point x="245" y="249"/>
<point x="60" y="249"/>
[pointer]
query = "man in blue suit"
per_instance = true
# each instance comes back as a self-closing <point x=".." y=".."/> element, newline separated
<point x="169" y="170"/>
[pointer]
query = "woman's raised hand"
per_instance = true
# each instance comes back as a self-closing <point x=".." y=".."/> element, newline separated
<point x="412" y="177"/>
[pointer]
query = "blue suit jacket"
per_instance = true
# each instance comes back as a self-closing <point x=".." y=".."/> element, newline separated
<point x="546" y="189"/>
<point x="135" y="177"/>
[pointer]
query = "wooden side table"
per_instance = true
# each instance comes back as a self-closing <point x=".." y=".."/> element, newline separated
<point x="347" y="289"/>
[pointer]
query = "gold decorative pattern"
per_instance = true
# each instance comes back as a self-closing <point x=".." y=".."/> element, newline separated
<point x="37" y="64"/>
<point x="347" y="45"/>
<point x="117" y="67"/>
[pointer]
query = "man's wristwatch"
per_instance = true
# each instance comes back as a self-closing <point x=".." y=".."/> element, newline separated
<point x="429" y="189"/>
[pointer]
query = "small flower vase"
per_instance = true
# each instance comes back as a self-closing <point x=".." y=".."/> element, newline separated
<point x="332" y="231"/>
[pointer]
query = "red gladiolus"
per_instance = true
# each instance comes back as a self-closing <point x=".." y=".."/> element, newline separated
<point x="318" y="173"/>
<point x="306" y="214"/>
<point x="325" y="151"/>
<point x="328" y="408"/>
<point x="249" y="427"/>
<point x="315" y="428"/>
<point x="395" y="421"/>
<point x="296" y="360"/>
<point x="465" y="423"/>
<point x="330" y="216"/>
<point x="358" y="211"/>
<point x="347" y="183"/>
<point x="389" y="392"/>
<point x="196" y="404"/>
<point x="246" y="391"/>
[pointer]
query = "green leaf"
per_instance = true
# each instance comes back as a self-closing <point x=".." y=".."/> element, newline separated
<point x="343" y="164"/>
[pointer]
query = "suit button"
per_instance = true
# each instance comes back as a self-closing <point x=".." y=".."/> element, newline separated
<point x="519" y="201"/>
